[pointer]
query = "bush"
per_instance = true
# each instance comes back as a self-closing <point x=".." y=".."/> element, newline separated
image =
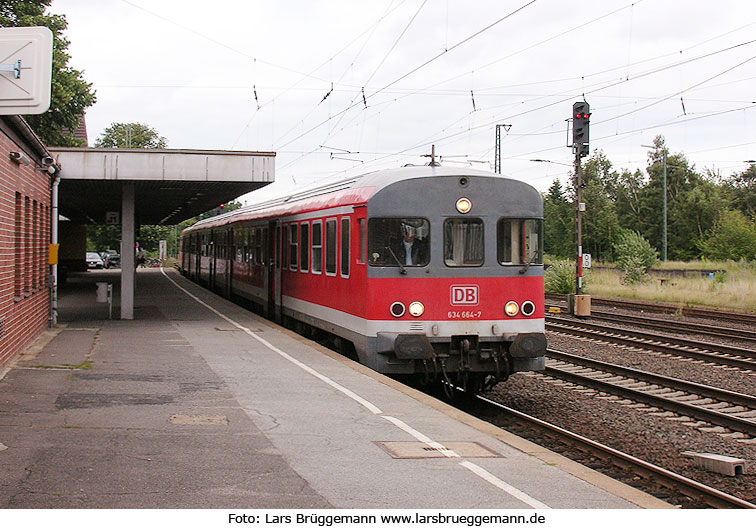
<point x="732" y="237"/>
<point x="634" y="257"/>
<point x="560" y="278"/>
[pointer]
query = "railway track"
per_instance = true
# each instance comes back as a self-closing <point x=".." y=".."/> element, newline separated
<point x="676" y="326"/>
<point x="732" y="356"/>
<point x="719" y="315"/>
<point x="713" y="406"/>
<point x="659" y="476"/>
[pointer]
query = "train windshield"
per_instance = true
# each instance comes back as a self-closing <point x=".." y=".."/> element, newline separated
<point x="519" y="241"/>
<point x="463" y="242"/>
<point x="398" y="241"/>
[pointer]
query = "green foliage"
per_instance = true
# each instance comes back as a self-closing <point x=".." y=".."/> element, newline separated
<point x="131" y="136"/>
<point x="720" y="278"/>
<point x="732" y="237"/>
<point x="559" y="278"/>
<point x="103" y="237"/>
<point x="634" y="256"/>
<point x="742" y="188"/>
<point x="600" y="221"/>
<point x="71" y="95"/>
<point x="558" y="221"/>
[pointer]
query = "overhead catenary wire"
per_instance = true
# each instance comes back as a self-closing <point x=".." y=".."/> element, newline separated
<point x="604" y="85"/>
<point x="414" y="70"/>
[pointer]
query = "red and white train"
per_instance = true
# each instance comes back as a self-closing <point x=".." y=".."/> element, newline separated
<point x="423" y="270"/>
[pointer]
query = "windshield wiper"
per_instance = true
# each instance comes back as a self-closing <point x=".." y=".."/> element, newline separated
<point x="401" y="267"/>
<point x="527" y="265"/>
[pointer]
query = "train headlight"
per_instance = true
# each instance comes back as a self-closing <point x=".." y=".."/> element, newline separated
<point x="464" y="205"/>
<point x="416" y="309"/>
<point x="528" y="308"/>
<point x="511" y="308"/>
<point x="397" y="309"/>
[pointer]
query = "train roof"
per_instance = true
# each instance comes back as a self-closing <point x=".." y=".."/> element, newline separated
<point x="348" y="191"/>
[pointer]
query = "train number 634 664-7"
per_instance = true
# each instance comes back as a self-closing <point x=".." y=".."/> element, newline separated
<point x="463" y="314"/>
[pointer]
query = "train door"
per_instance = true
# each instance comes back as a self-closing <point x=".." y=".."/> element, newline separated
<point x="230" y="259"/>
<point x="273" y="270"/>
<point x="197" y="257"/>
<point x="211" y="265"/>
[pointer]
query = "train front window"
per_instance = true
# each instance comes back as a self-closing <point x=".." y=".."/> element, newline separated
<point x="519" y="241"/>
<point x="398" y="241"/>
<point x="463" y="242"/>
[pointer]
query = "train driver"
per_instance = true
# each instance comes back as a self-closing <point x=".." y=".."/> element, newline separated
<point x="413" y="250"/>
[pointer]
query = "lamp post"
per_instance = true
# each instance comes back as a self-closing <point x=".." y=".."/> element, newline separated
<point x="664" y="199"/>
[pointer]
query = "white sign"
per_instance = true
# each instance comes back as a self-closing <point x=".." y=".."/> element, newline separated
<point x="25" y="70"/>
<point x="586" y="260"/>
<point x="112" y="217"/>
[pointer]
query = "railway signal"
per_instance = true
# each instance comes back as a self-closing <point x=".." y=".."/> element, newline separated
<point x="581" y="115"/>
<point x="580" y="304"/>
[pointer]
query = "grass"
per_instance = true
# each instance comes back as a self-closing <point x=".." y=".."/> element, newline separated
<point x="734" y="290"/>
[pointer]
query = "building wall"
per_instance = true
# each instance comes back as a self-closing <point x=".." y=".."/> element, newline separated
<point x="24" y="238"/>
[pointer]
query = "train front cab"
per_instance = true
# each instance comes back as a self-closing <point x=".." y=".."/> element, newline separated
<point x="473" y="305"/>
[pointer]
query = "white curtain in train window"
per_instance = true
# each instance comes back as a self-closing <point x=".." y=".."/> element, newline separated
<point x="532" y="236"/>
<point x="463" y="242"/>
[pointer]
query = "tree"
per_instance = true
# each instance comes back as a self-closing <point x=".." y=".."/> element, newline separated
<point x="131" y="136"/>
<point x="600" y="223"/>
<point x="695" y="213"/>
<point x="70" y="95"/>
<point x="732" y="237"/>
<point x="558" y="219"/>
<point x="682" y="179"/>
<point x="743" y="190"/>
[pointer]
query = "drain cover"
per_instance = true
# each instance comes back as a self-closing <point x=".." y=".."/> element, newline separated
<point x="417" y="450"/>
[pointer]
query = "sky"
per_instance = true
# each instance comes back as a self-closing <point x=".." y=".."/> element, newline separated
<point x="338" y="88"/>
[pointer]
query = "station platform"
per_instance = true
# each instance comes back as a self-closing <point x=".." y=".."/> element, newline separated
<point x="198" y="403"/>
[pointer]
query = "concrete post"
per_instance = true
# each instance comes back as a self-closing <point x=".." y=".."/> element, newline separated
<point x="128" y="259"/>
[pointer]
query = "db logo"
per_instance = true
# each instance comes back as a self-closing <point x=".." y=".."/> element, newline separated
<point x="464" y="294"/>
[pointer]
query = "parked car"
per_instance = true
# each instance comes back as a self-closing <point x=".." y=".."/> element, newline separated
<point x="112" y="260"/>
<point x="94" y="260"/>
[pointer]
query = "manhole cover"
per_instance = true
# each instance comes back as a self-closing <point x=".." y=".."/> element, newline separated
<point x="417" y="450"/>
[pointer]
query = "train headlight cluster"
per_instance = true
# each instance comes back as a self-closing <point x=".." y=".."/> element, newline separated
<point x="512" y="308"/>
<point x="416" y="309"/>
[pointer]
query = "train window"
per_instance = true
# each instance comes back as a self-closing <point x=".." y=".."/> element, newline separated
<point x="259" y="246"/>
<point x="330" y="247"/>
<point x="519" y="241"/>
<point x="345" y="247"/>
<point x="363" y="240"/>
<point x="463" y="242"/>
<point x="293" y="246"/>
<point x="317" y="246"/>
<point x="304" y="247"/>
<point x="251" y="246"/>
<point x="398" y="241"/>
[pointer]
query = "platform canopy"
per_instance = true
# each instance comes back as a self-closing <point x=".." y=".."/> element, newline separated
<point x="170" y="185"/>
<point x="132" y="187"/>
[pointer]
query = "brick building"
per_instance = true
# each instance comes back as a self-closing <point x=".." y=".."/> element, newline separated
<point x="25" y="224"/>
